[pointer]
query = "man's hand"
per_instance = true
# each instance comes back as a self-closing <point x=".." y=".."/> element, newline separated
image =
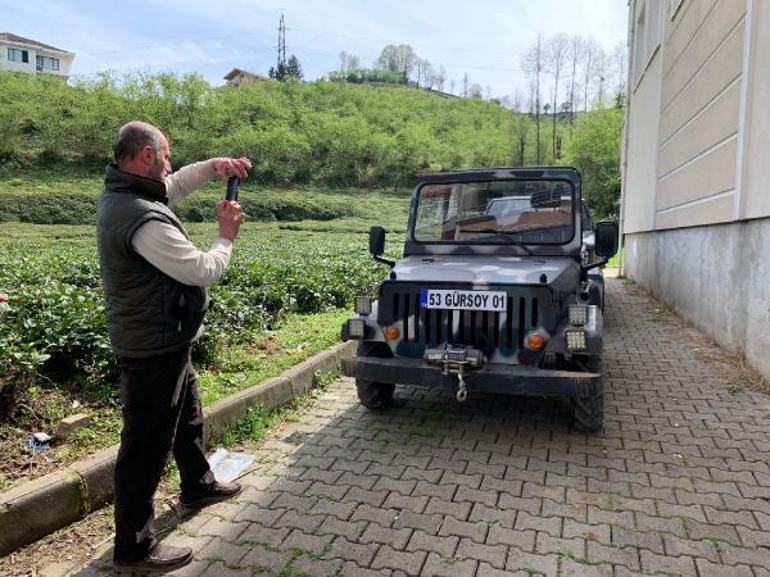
<point x="227" y="167"/>
<point x="230" y="217"/>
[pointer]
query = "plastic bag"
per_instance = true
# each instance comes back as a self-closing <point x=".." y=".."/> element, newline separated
<point x="227" y="465"/>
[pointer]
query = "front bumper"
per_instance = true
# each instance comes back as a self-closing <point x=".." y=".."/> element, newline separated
<point x="493" y="378"/>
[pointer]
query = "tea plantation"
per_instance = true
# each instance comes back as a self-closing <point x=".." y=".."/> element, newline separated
<point x="289" y="286"/>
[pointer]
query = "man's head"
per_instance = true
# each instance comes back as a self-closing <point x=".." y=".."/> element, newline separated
<point x="142" y="149"/>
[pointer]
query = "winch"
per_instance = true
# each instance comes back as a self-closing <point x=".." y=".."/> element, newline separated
<point x="455" y="360"/>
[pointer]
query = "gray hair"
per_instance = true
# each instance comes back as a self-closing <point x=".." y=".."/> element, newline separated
<point x="133" y="137"/>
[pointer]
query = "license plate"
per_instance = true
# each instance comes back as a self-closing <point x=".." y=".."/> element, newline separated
<point x="464" y="300"/>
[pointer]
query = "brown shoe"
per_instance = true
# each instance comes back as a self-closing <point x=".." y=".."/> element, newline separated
<point x="218" y="492"/>
<point x="160" y="558"/>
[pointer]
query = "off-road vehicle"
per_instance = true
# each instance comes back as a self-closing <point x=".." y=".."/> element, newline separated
<point x="499" y="290"/>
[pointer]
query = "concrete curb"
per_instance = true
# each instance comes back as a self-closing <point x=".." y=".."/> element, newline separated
<point x="44" y="505"/>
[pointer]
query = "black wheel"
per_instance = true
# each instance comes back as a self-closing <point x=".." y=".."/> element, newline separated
<point x="588" y="400"/>
<point x="374" y="396"/>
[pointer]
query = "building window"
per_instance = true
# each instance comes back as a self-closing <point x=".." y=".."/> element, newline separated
<point x="18" y="55"/>
<point x="46" y="63"/>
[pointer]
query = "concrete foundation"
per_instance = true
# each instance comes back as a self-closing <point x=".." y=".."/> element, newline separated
<point x="716" y="276"/>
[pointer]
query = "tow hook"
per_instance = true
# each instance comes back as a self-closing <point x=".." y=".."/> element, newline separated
<point x="462" y="390"/>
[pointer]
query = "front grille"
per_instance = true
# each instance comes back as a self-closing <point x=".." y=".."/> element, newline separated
<point x="485" y="330"/>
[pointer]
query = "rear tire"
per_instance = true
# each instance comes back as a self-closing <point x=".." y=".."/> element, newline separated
<point x="588" y="400"/>
<point x="374" y="396"/>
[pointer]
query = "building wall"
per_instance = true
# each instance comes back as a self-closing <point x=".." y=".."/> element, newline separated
<point x="698" y="223"/>
<point x="716" y="276"/>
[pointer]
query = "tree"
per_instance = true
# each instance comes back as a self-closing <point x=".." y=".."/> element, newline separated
<point x="556" y="55"/>
<point x="520" y="126"/>
<point x="398" y="58"/>
<point x="590" y="54"/>
<point x="440" y="78"/>
<point x="465" y="85"/>
<point x="595" y="151"/>
<point x="532" y="64"/>
<point x="475" y="91"/>
<point x="619" y="56"/>
<point x="575" y="56"/>
<point x="294" y="68"/>
<point x="348" y="62"/>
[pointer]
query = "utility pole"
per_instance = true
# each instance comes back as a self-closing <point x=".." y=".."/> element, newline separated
<point x="281" y="65"/>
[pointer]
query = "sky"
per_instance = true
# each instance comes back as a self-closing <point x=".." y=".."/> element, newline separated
<point x="483" y="38"/>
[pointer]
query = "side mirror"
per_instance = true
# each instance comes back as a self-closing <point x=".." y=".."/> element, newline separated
<point x="606" y="239"/>
<point x="376" y="240"/>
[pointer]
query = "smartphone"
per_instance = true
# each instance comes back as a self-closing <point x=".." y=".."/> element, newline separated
<point x="233" y="185"/>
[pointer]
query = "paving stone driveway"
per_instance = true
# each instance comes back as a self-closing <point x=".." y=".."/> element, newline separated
<point x="677" y="484"/>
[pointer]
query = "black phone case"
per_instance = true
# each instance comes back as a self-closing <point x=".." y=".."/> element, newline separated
<point x="233" y="184"/>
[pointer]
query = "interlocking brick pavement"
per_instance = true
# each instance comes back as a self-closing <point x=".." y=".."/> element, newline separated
<point x="677" y="483"/>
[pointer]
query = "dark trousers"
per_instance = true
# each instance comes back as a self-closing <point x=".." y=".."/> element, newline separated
<point x="161" y="412"/>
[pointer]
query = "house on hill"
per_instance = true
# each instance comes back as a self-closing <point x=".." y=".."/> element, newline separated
<point x="696" y="160"/>
<point x="21" y="54"/>
<point x="239" y="77"/>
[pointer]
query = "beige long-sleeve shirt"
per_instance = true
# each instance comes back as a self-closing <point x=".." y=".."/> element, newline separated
<point x="167" y="249"/>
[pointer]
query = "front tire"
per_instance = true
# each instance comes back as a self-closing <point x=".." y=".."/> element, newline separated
<point x="374" y="396"/>
<point x="588" y="400"/>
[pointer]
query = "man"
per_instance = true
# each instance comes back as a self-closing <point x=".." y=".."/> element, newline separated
<point x="154" y="282"/>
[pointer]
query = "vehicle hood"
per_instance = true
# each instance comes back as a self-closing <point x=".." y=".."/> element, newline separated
<point x="487" y="270"/>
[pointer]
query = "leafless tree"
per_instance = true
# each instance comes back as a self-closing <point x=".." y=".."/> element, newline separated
<point x="452" y="86"/>
<point x="520" y="126"/>
<point x="602" y="72"/>
<point x="532" y="64"/>
<point x="466" y="83"/>
<point x="590" y="55"/>
<point x="619" y="70"/>
<point x="576" y="53"/>
<point x="349" y="62"/>
<point x="440" y="78"/>
<point x="557" y="51"/>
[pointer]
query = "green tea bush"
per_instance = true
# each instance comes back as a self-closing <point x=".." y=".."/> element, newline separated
<point x="53" y="323"/>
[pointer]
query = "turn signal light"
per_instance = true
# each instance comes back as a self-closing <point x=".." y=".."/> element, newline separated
<point x="535" y="341"/>
<point x="392" y="333"/>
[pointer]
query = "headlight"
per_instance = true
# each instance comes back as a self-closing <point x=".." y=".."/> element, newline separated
<point x="363" y="305"/>
<point x="576" y="339"/>
<point x="578" y="315"/>
<point x="356" y="328"/>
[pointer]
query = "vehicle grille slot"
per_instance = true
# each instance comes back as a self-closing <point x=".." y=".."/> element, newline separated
<point x="522" y="319"/>
<point x="406" y="316"/>
<point x="509" y="324"/>
<point x="417" y="319"/>
<point x="496" y="330"/>
<point x="473" y="326"/>
<point x="451" y="334"/>
<point x="395" y="305"/>
<point x="535" y="312"/>
<point x="439" y="317"/>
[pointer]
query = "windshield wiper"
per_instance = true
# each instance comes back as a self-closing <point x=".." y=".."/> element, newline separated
<point x="512" y="237"/>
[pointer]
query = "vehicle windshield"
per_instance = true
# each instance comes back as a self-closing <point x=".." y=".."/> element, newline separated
<point x="509" y="211"/>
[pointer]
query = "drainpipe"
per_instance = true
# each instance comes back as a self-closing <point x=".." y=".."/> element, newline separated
<point x="624" y="160"/>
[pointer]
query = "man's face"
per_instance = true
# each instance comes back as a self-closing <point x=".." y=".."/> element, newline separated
<point x="161" y="166"/>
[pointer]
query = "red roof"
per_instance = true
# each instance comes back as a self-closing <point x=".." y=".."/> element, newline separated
<point x="7" y="36"/>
